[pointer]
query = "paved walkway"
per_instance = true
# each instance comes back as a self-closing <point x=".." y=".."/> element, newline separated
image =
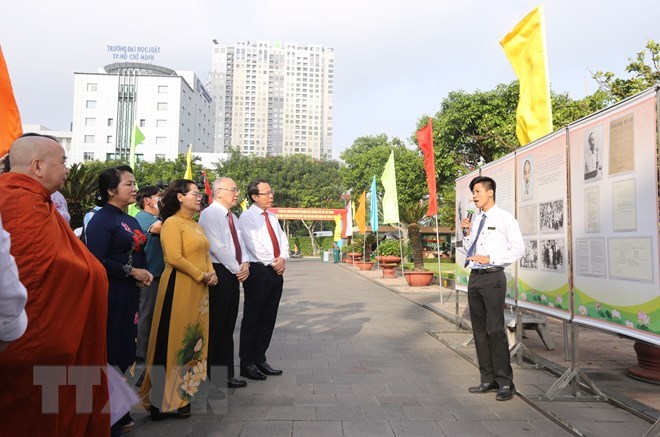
<point x="358" y="361"/>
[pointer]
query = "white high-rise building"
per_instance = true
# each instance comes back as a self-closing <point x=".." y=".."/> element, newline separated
<point x="273" y="98"/>
<point x="172" y="109"/>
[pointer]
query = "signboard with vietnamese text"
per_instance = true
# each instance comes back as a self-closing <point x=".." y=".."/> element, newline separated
<point x="305" y="213"/>
<point x="133" y="53"/>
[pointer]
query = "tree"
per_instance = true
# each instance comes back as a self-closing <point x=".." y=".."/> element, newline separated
<point x="298" y="181"/>
<point x="78" y="190"/>
<point x="472" y="129"/>
<point x="165" y="171"/>
<point x="411" y="215"/>
<point x="643" y="75"/>
<point x="367" y="157"/>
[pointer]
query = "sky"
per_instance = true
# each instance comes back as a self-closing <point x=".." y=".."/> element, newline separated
<point x="395" y="61"/>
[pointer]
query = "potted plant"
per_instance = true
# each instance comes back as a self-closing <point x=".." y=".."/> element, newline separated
<point x="362" y="244"/>
<point x="389" y="252"/>
<point x="412" y="214"/>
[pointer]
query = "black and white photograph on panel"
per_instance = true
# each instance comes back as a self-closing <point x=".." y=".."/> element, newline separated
<point x="530" y="259"/>
<point x="551" y="216"/>
<point x="553" y="254"/>
<point x="593" y="155"/>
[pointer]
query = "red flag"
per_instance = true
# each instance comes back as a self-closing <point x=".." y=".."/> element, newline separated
<point x="10" y="119"/>
<point x="207" y="187"/>
<point x="425" y="141"/>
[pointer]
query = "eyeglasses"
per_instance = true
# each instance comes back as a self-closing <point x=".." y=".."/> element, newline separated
<point x="267" y="193"/>
<point x="233" y="190"/>
<point x="196" y="194"/>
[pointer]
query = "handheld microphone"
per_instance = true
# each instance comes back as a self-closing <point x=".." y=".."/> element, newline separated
<point x="470" y="213"/>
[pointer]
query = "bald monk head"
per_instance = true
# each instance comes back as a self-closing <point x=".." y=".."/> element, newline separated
<point x="40" y="158"/>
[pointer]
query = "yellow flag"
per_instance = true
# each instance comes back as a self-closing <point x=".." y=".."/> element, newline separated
<point x="525" y="48"/>
<point x="337" y="235"/>
<point x="361" y="214"/>
<point x="188" y="174"/>
<point x="244" y="204"/>
<point x="390" y="198"/>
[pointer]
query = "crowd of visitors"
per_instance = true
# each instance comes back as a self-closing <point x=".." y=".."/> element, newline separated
<point x="157" y="289"/>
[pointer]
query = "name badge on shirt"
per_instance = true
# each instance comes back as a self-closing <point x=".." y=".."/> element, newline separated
<point x="491" y="228"/>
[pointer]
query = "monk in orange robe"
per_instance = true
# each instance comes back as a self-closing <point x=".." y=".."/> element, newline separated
<point x="66" y="307"/>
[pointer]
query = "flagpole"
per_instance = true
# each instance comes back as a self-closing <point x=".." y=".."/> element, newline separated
<point x="437" y="246"/>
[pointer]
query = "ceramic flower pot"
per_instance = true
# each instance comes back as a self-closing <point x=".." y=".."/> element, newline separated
<point x="364" y="265"/>
<point x="419" y="279"/>
<point x="648" y="362"/>
<point x="390" y="259"/>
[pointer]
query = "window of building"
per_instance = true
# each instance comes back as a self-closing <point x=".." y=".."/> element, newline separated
<point x="111" y="122"/>
<point x="160" y="141"/>
<point x="109" y="139"/>
<point x="92" y="87"/>
<point x="90" y="104"/>
<point x="162" y="89"/>
<point x="143" y="122"/>
<point x="89" y="138"/>
<point x="160" y="156"/>
<point x="89" y="121"/>
<point x="109" y="156"/>
<point x="161" y="123"/>
<point x="162" y="106"/>
<point x="88" y="156"/>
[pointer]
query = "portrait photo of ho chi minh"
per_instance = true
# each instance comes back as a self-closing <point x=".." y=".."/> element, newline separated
<point x="530" y="259"/>
<point x="526" y="188"/>
<point x="551" y="216"/>
<point x="593" y="154"/>
<point x="552" y="255"/>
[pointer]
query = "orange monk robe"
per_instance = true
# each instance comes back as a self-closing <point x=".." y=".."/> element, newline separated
<point x="67" y="310"/>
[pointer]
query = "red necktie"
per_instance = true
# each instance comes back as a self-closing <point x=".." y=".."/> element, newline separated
<point x="234" y="236"/>
<point x="273" y="238"/>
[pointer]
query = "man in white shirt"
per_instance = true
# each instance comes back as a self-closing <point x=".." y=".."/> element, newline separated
<point x="493" y="242"/>
<point x="232" y="267"/>
<point x="267" y="248"/>
<point x="13" y="320"/>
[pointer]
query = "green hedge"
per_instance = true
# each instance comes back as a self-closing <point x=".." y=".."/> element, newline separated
<point x="305" y="245"/>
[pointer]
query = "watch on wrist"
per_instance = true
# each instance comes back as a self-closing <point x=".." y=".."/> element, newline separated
<point x="127" y="269"/>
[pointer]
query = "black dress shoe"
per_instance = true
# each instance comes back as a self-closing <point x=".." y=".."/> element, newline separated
<point x="484" y="387"/>
<point x="252" y="372"/>
<point x="157" y="415"/>
<point x="236" y="383"/>
<point x="266" y="369"/>
<point x="183" y="412"/>
<point x="126" y="423"/>
<point x="505" y="392"/>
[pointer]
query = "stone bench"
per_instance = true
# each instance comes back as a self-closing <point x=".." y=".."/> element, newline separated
<point x="529" y="321"/>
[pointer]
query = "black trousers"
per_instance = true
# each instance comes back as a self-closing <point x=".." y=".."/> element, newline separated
<point x="223" y="311"/>
<point x="486" y="293"/>
<point x="262" y="291"/>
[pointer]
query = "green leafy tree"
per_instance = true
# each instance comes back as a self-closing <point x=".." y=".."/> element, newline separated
<point x="472" y="129"/>
<point x="78" y="190"/>
<point x="298" y="181"/>
<point x="367" y="157"/>
<point x="645" y="74"/>
<point x="411" y="215"/>
<point x="165" y="171"/>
